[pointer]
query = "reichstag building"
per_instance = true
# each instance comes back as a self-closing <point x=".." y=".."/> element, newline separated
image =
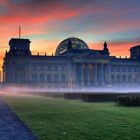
<point x="73" y="65"/>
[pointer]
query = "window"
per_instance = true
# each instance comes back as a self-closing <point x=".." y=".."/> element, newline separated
<point x="112" y="68"/>
<point x="49" y="67"/>
<point x="34" y="68"/>
<point x="34" y="77"/>
<point x="124" y="78"/>
<point x="134" y="77"/>
<point x="63" y="67"/>
<point x="63" y="78"/>
<point x="130" y="69"/>
<point x="118" y="68"/>
<point x="118" y="78"/>
<point x="49" y="77"/>
<point x="135" y="69"/>
<point x="56" y="77"/>
<point x="112" y="78"/>
<point x="56" y="68"/>
<point x="42" y="67"/>
<point x="42" y="78"/>
<point x="130" y="78"/>
<point x="123" y="68"/>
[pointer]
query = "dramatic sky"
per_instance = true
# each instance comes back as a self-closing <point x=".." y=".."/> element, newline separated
<point x="47" y="22"/>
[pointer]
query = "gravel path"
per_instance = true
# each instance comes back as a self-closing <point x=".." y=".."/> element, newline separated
<point x="11" y="127"/>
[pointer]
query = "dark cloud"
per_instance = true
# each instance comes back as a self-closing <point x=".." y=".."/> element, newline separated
<point x="3" y="10"/>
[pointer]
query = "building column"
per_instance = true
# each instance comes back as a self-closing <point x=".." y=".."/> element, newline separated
<point x="109" y="74"/>
<point x="88" y="74"/>
<point x="74" y="75"/>
<point x="95" y="74"/>
<point x="82" y="74"/>
<point x="127" y="73"/>
<point x="102" y="73"/>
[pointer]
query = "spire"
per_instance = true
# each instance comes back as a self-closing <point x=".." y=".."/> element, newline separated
<point x="105" y="45"/>
<point x="19" y="32"/>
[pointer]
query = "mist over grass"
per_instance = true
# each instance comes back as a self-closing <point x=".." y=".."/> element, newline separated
<point x="116" y="89"/>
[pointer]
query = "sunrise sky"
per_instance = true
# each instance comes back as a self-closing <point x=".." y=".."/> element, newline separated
<point x="47" y="22"/>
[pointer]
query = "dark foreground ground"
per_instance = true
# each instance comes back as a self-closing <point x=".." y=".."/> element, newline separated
<point x="60" y="119"/>
<point x="11" y="127"/>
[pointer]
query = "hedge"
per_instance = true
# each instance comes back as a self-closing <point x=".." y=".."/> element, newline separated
<point x="129" y="100"/>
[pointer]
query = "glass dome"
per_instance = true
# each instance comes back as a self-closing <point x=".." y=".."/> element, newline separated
<point x="76" y="43"/>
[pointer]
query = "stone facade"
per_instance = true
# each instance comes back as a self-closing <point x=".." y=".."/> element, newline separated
<point x="74" y="65"/>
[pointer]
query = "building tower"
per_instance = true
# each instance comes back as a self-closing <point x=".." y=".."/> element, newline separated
<point x="135" y="52"/>
<point x="19" y="47"/>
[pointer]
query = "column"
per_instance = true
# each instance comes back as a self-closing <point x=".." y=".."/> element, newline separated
<point x="82" y="73"/>
<point x="74" y="75"/>
<point x="127" y="73"/>
<point x="95" y="73"/>
<point x="109" y="74"/>
<point x="121" y="73"/>
<point x="102" y="73"/>
<point x="88" y="74"/>
<point x="91" y="74"/>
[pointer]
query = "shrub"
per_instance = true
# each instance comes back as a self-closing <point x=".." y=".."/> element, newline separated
<point x="131" y="100"/>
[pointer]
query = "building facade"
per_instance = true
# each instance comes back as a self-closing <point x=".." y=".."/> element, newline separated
<point x="73" y="65"/>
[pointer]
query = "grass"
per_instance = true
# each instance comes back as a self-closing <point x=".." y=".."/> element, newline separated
<point x="59" y="119"/>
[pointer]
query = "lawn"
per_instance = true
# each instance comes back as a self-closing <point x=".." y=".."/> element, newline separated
<point x="60" y="119"/>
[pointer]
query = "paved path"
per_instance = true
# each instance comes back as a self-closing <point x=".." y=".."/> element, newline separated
<point x="11" y="127"/>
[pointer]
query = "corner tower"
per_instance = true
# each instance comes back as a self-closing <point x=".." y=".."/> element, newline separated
<point x="19" y="46"/>
<point x="135" y="52"/>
